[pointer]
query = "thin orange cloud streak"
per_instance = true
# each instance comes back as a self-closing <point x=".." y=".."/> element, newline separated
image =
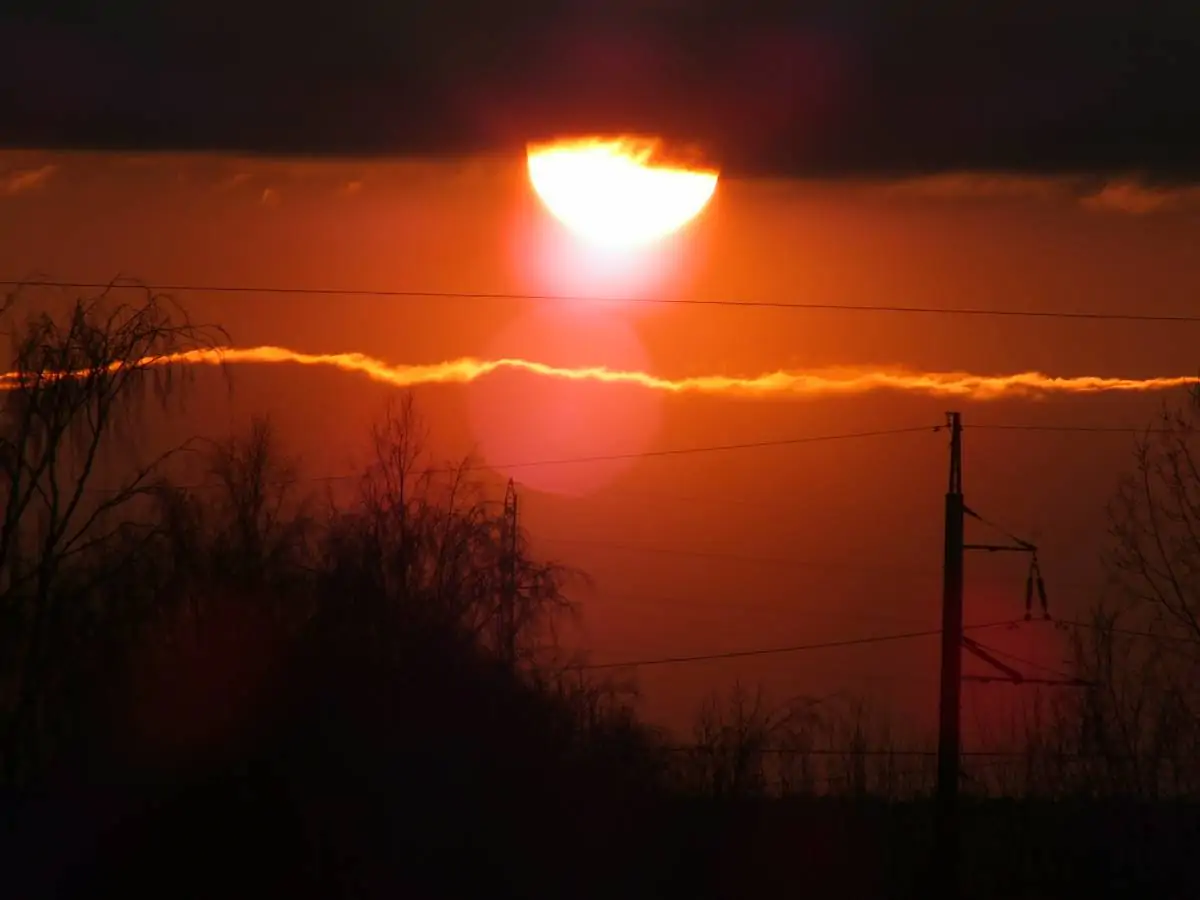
<point x="779" y="384"/>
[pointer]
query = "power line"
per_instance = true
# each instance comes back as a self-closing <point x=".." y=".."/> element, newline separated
<point x="739" y="557"/>
<point x="718" y="448"/>
<point x="1081" y="429"/>
<point x="798" y="648"/>
<point x="643" y="496"/>
<point x="799" y="563"/>
<point x="997" y="755"/>
<point x="608" y="457"/>
<point x="1084" y="315"/>
<point x="825" y="751"/>
<point x="685" y="451"/>
<point x="1128" y="632"/>
<point x="673" y="604"/>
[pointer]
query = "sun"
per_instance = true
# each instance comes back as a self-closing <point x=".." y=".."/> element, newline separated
<point x="610" y="191"/>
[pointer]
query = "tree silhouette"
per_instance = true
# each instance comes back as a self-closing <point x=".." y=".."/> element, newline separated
<point x="217" y="680"/>
<point x="249" y="531"/>
<point x="1142" y="653"/>
<point x="426" y="541"/>
<point x="1156" y="525"/>
<point x="75" y="393"/>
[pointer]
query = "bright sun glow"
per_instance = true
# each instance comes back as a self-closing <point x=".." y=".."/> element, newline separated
<point x="609" y="192"/>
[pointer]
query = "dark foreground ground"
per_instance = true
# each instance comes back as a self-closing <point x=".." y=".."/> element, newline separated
<point x="435" y="777"/>
<point x="246" y="838"/>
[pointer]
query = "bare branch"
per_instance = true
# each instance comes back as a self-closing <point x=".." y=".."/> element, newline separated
<point x="76" y="387"/>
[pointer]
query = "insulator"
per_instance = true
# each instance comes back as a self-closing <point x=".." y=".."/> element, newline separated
<point x="1028" y="595"/>
<point x="1041" y="586"/>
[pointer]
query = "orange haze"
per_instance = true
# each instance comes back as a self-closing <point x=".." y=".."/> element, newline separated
<point x="705" y="551"/>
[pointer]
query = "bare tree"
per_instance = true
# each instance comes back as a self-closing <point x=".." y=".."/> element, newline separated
<point x="261" y="523"/>
<point x="426" y="541"/>
<point x="1133" y="729"/>
<point x="245" y="533"/>
<point x="602" y="719"/>
<point x="743" y="745"/>
<point x="1137" y="728"/>
<point x="1155" y="519"/>
<point x="73" y="394"/>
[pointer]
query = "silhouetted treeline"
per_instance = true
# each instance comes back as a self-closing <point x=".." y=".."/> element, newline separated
<point x="216" y="681"/>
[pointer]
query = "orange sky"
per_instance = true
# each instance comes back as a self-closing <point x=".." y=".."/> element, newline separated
<point x="856" y="524"/>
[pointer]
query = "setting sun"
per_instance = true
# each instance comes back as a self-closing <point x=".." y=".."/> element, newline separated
<point x="612" y="193"/>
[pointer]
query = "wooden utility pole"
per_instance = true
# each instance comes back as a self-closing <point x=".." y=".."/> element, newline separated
<point x="951" y="674"/>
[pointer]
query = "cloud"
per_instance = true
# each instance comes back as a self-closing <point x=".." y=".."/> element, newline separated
<point x="980" y="186"/>
<point x="855" y="88"/>
<point x="1136" y="199"/>
<point x="22" y="180"/>
<point x="252" y="179"/>
<point x="233" y="181"/>
<point x="1127" y="195"/>
<point x="266" y="179"/>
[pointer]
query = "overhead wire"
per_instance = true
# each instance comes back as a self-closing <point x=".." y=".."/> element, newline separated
<point x="739" y="557"/>
<point x="412" y="294"/>
<point x="719" y="448"/>
<point x="796" y="306"/>
<point x="912" y="572"/>
<point x="876" y="752"/>
<point x="604" y="457"/>
<point x="382" y="293"/>
<point x="674" y="605"/>
<point x="1066" y="429"/>
<point x="1129" y="632"/>
<point x="797" y="648"/>
<point x="685" y="451"/>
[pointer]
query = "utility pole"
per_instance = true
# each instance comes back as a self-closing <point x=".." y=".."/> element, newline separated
<point x="947" y="859"/>
<point x="951" y="673"/>
<point x="508" y="588"/>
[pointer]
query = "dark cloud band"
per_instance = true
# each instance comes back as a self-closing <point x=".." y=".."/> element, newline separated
<point x="852" y="87"/>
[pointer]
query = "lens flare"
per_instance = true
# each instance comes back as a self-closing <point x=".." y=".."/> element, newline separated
<point x="513" y="416"/>
<point x="613" y="193"/>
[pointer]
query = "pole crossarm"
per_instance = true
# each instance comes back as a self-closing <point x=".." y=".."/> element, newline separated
<point x="1020" y="543"/>
<point x="1000" y="548"/>
<point x="1010" y="673"/>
